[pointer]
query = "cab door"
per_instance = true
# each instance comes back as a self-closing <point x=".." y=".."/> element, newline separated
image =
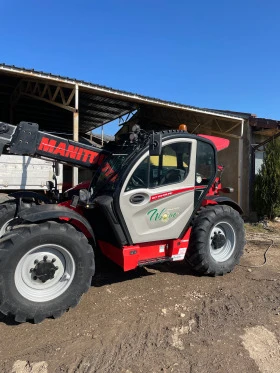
<point x="157" y="198"/>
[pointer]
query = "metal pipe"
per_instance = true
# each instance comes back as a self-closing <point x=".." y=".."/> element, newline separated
<point x="75" y="172"/>
<point x="242" y="128"/>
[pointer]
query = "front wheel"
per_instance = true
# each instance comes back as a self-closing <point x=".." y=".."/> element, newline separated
<point x="217" y="240"/>
<point x="5" y="198"/>
<point x="44" y="270"/>
<point x="8" y="212"/>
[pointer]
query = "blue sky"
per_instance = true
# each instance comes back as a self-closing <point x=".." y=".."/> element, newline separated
<point x="214" y="54"/>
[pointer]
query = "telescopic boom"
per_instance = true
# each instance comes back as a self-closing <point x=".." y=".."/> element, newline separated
<point x="26" y="139"/>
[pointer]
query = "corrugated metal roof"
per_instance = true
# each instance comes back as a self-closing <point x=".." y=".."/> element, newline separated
<point x="98" y="104"/>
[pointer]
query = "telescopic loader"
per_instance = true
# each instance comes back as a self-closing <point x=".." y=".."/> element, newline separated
<point x="154" y="198"/>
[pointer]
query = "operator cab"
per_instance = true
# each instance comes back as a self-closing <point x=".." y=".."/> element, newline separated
<point x="138" y="197"/>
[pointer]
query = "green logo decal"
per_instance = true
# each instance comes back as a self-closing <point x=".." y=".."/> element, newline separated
<point x="163" y="215"/>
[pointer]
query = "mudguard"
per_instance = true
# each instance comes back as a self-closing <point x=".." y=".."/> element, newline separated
<point x="47" y="212"/>
<point x="220" y="200"/>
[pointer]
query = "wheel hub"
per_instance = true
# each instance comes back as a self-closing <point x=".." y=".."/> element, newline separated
<point x="222" y="241"/>
<point x="44" y="270"/>
<point x="218" y="240"/>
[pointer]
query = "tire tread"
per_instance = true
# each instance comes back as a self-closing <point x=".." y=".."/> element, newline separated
<point x="197" y="255"/>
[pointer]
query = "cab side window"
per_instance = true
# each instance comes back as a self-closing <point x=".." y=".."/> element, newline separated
<point x="171" y="167"/>
<point x="205" y="163"/>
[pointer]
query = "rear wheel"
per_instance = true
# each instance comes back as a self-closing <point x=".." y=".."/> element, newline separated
<point x="217" y="240"/>
<point x="44" y="270"/>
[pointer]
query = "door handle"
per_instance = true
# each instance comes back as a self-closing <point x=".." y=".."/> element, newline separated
<point x="137" y="198"/>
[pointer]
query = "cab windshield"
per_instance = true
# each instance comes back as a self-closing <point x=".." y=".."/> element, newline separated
<point x="107" y="176"/>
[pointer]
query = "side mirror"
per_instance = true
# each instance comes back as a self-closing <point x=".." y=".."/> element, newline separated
<point x="84" y="195"/>
<point x="155" y="144"/>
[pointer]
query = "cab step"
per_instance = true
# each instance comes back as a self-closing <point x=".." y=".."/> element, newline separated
<point x="147" y="262"/>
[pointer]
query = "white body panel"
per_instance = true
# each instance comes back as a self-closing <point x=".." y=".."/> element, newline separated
<point x="25" y="173"/>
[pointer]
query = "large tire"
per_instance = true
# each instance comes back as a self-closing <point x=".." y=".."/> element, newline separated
<point x="8" y="212"/>
<point x="44" y="270"/>
<point x="217" y="240"/>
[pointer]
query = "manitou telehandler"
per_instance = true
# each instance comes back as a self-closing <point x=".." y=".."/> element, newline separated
<point x="154" y="198"/>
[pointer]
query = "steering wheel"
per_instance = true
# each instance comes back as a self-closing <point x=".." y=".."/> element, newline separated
<point x="137" y="181"/>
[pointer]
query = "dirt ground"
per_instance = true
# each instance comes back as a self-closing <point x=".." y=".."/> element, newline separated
<point x="162" y="319"/>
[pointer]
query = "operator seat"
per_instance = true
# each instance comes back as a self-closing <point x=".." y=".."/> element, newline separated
<point x="172" y="176"/>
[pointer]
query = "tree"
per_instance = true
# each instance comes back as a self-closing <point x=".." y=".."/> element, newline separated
<point x="267" y="182"/>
